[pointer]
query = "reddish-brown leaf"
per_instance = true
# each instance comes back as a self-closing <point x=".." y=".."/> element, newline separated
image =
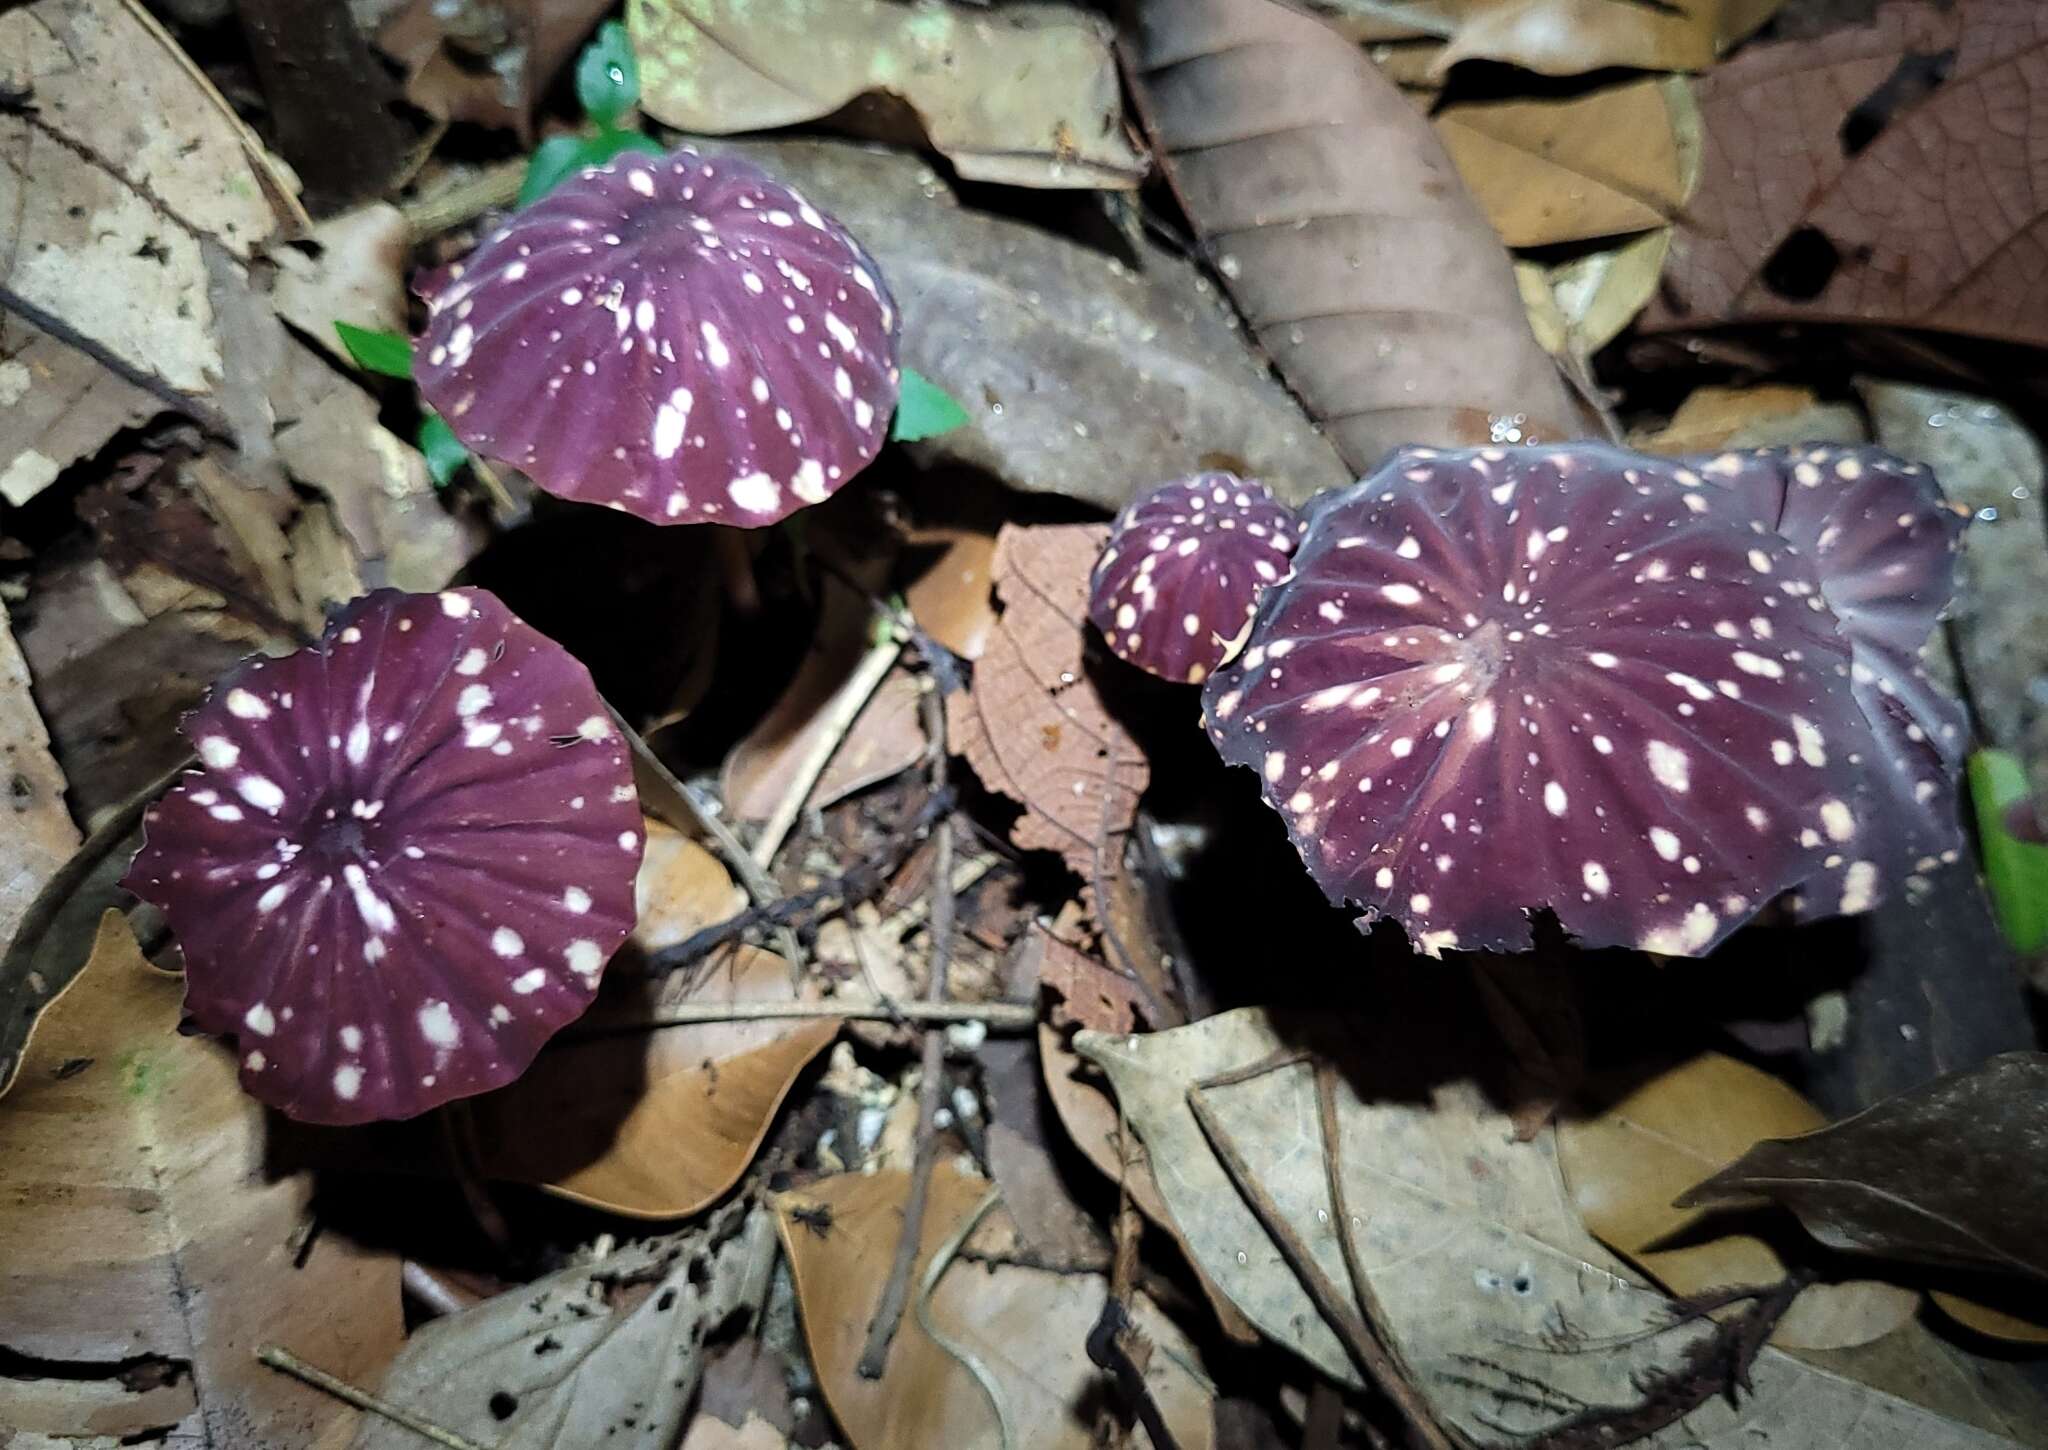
<point x="1032" y="725"/>
<point x="1342" y="230"/>
<point x="1937" y="220"/>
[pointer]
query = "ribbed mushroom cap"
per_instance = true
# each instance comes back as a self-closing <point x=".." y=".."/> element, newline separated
<point x="1882" y="540"/>
<point x="405" y="860"/>
<point x="1181" y="575"/>
<point x="685" y="338"/>
<point x="1575" y="678"/>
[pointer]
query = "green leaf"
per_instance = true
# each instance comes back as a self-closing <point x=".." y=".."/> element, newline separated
<point x="377" y="352"/>
<point x="444" y="451"/>
<point x="2016" y="870"/>
<point x="607" y="80"/>
<point x="559" y="157"/>
<point x="924" y="410"/>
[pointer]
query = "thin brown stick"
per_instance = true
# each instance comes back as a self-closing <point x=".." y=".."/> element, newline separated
<point x="996" y="1016"/>
<point x="1389" y="1375"/>
<point x="931" y="1087"/>
<point x="289" y="1363"/>
<point x="496" y="185"/>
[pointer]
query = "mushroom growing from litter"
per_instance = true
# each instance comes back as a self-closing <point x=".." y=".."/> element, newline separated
<point x="1882" y="540"/>
<point x="404" y="861"/>
<point x="684" y="337"/>
<point x="1180" y="578"/>
<point x="1565" y="677"/>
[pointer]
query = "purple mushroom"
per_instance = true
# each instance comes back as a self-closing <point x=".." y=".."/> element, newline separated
<point x="405" y="861"/>
<point x="1882" y="540"/>
<point x="1179" y="581"/>
<point x="685" y="338"/>
<point x="1568" y="677"/>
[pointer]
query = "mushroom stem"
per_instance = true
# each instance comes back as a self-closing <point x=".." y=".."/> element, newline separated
<point x="736" y="564"/>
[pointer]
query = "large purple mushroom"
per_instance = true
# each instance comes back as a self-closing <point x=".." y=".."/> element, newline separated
<point x="405" y="861"/>
<point x="1574" y="678"/>
<point x="685" y="338"/>
<point x="1882" y="540"/>
<point x="1179" y="581"/>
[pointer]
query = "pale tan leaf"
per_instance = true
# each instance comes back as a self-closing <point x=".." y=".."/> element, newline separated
<point x="884" y="740"/>
<point x="1763" y="416"/>
<point x="57" y="405"/>
<point x="38" y="832"/>
<point x="1464" y="1236"/>
<point x="1026" y="95"/>
<point x="141" y="1221"/>
<point x="1571" y="37"/>
<point x="353" y="272"/>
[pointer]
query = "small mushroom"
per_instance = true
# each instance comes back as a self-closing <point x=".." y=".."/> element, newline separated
<point x="685" y="338"/>
<point x="1568" y="677"/>
<point x="1882" y="540"/>
<point x="1180" y="578"/>
<point x="405" y="860"/>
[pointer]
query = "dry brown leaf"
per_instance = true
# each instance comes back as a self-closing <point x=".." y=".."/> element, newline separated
<point x="657" y="1124"/>
<point x="1032" y="724"/>
<point x="1463" y="1235"/>
<point x="1572" y="169"/>
<point x="1714" y="418"/>
<point x="1080" y="374"/>
<point x="36" y="831"/>
<point x="487" y="61"/>
<point x="1091" y="995"/>
<point x="598" y="1354"/>
<point x="1335" y="217"/>
<point x="1029" y="1327"/>
<point x="707" y="1433"/>
<point x="1026" y="95"/>
<point x="1937" y="216"/>
<point x="951" y="601"/>
<point x="1624" y="1167"/>
<point x="1571" y="37"/>
<point x="884" y="740"/>
<point x="142" y="1236"/>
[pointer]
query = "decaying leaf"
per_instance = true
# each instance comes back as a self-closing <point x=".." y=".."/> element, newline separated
<point x="1027" y="1327"/>
<point x="1578" y="307"/>
<point x="884" y="739"/>
<point x="1033" y="725"/>
<point x="56" y="406"/>
<point x="1616" y="160"/>
<point x="1880" y="174"/>
<point x="146" y="1251"/>
<point x="1081" y="375"/>
<point x="1464" y="1236"/>
<point x="606" y="1353"/>
<point x="350" y="268"/>
<point x="950" y="599"/>
<point x="657" y="1124"/>
<point x="1395" y="321"/>
<point x="1624" y="1167"/>
<point x="38" y="832"/>
<point x="1091" y="995"/>
<point x="1929" y="1176"/>
<point x="1026" y="95"/>
<point x="120" y="177"/>
<point x="1570" y="37"/>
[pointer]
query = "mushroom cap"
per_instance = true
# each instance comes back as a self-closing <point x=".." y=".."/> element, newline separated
<point x="1180" y="578"/>
<point x="1882" y="540"/>
<point x="1568" y="677"/>
<point x="407" y="855"/>
<point x="685" y="338"/>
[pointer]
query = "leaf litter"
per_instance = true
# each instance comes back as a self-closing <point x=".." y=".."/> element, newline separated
<point x="896" y="1067"/>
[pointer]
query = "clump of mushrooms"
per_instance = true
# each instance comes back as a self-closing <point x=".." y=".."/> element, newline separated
<point x="683" y="337"/>
<point x="1180" y="578"/>
<point x="405" y="860"/>
<point x="1647" y="694"/>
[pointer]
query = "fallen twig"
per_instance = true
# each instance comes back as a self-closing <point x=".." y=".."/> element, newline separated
<point x="931" y="1087"/>
<point x="839" y="714"/>
<point x="284" y="1360"/>
<point x="996" y="1016"/>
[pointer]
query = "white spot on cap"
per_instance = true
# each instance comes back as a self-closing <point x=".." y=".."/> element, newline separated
<point x="272" y="899"/>
<point x="472" y="700"/>
<point x="348" y="1081"/>
<point x="245" y="706"/>
<point x="1754" y="664"/>
<point x="1812" y="744"/>
<point x="1404" y="594"/>
<point x="219" y="752"/>
<point x="454" y="605"/>
<point x="437" y="1025"/>
<point x="260" y="1020"/>
<point x="755" y="492"/>
<point x="472" y="662"/>
<point x="1670" y="765"/>
<point x="577" y="900"/>
<point x="670" y="419"/>
<point x="260" y="793"/>
<point x="375" y="910"/>
<point x="1554" y="799"/>
<point x="714" y="346"/>
<point x="1859" y="887"/>
<point x="1596" y="878"/>
<point x="584" y="958"/>
<point x="809" y="482"/>
<point x="1837" y="820"/>
<point x="529" y="982"/>
<point x="1665" y="843"/>
<point x="507" y="942"/>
